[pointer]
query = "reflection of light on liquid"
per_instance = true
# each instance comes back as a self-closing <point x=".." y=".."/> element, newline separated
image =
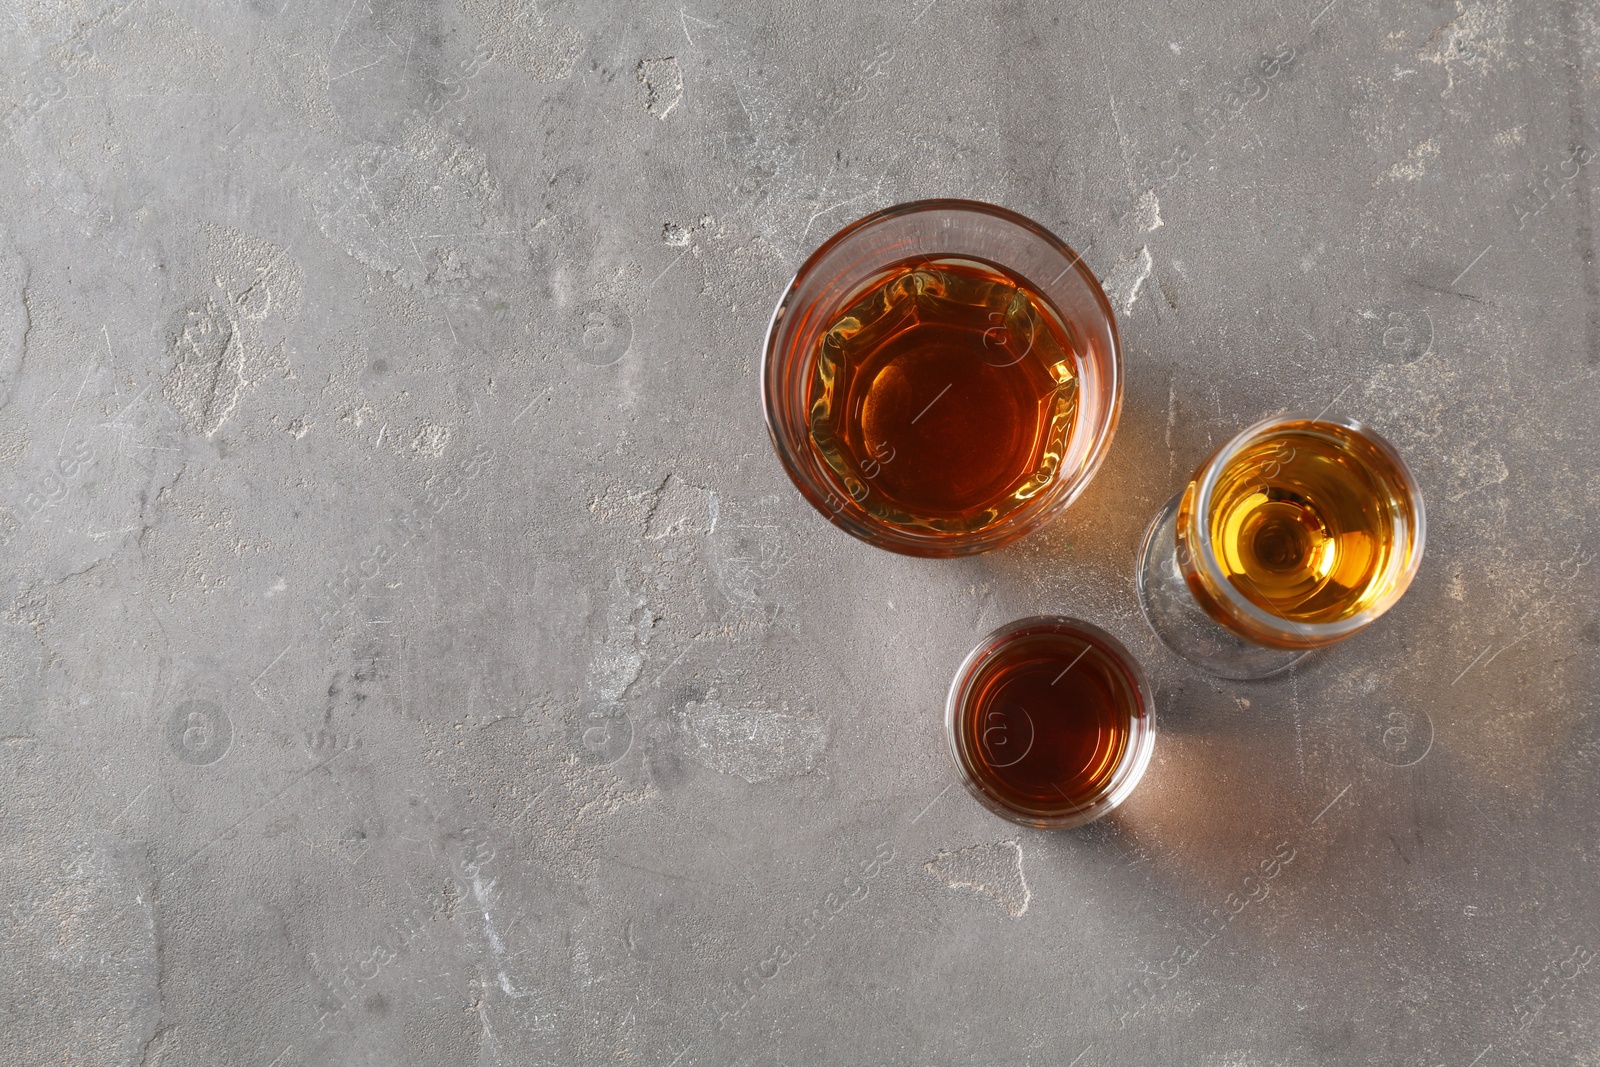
<point x="1000" y="728"/>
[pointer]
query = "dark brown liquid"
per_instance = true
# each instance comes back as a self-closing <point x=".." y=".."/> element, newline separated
<point x="944" y="397"/>
<point x="1048" y="719"/>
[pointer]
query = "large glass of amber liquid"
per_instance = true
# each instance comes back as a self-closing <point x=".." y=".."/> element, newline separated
<point x="942" y="377"/>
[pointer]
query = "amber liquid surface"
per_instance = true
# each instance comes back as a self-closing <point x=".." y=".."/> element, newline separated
<point x="943" y="399"/>
<point x="1306" y="522"/>
<point x="1048" y="720"/>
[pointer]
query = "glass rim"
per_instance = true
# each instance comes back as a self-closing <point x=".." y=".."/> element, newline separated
<point x="1130" y="768"/>
<point x="1243" y="609"/>
<point x="909" y="541"/>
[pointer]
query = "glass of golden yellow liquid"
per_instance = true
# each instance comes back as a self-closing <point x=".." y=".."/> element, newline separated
<point x="1295" y="534"/>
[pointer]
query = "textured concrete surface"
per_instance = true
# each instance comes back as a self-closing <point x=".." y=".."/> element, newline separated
<point x="413" y="653"/>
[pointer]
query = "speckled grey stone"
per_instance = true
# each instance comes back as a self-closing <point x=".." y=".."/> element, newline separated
<point x="411" y="651"/>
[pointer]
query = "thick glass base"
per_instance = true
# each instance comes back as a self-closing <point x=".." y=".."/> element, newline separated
<point x="1183" y="625"/>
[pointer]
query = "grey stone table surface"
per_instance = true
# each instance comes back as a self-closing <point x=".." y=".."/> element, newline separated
<point x="413" y="652"/>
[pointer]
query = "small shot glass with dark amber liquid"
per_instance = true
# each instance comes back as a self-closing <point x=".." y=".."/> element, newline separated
<point x="942" y="377"/>
<point x="1050" y="722"/>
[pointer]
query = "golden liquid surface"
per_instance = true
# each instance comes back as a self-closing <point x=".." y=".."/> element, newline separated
<point x="1306" y="522"/>
<point x="944" y="397"/>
